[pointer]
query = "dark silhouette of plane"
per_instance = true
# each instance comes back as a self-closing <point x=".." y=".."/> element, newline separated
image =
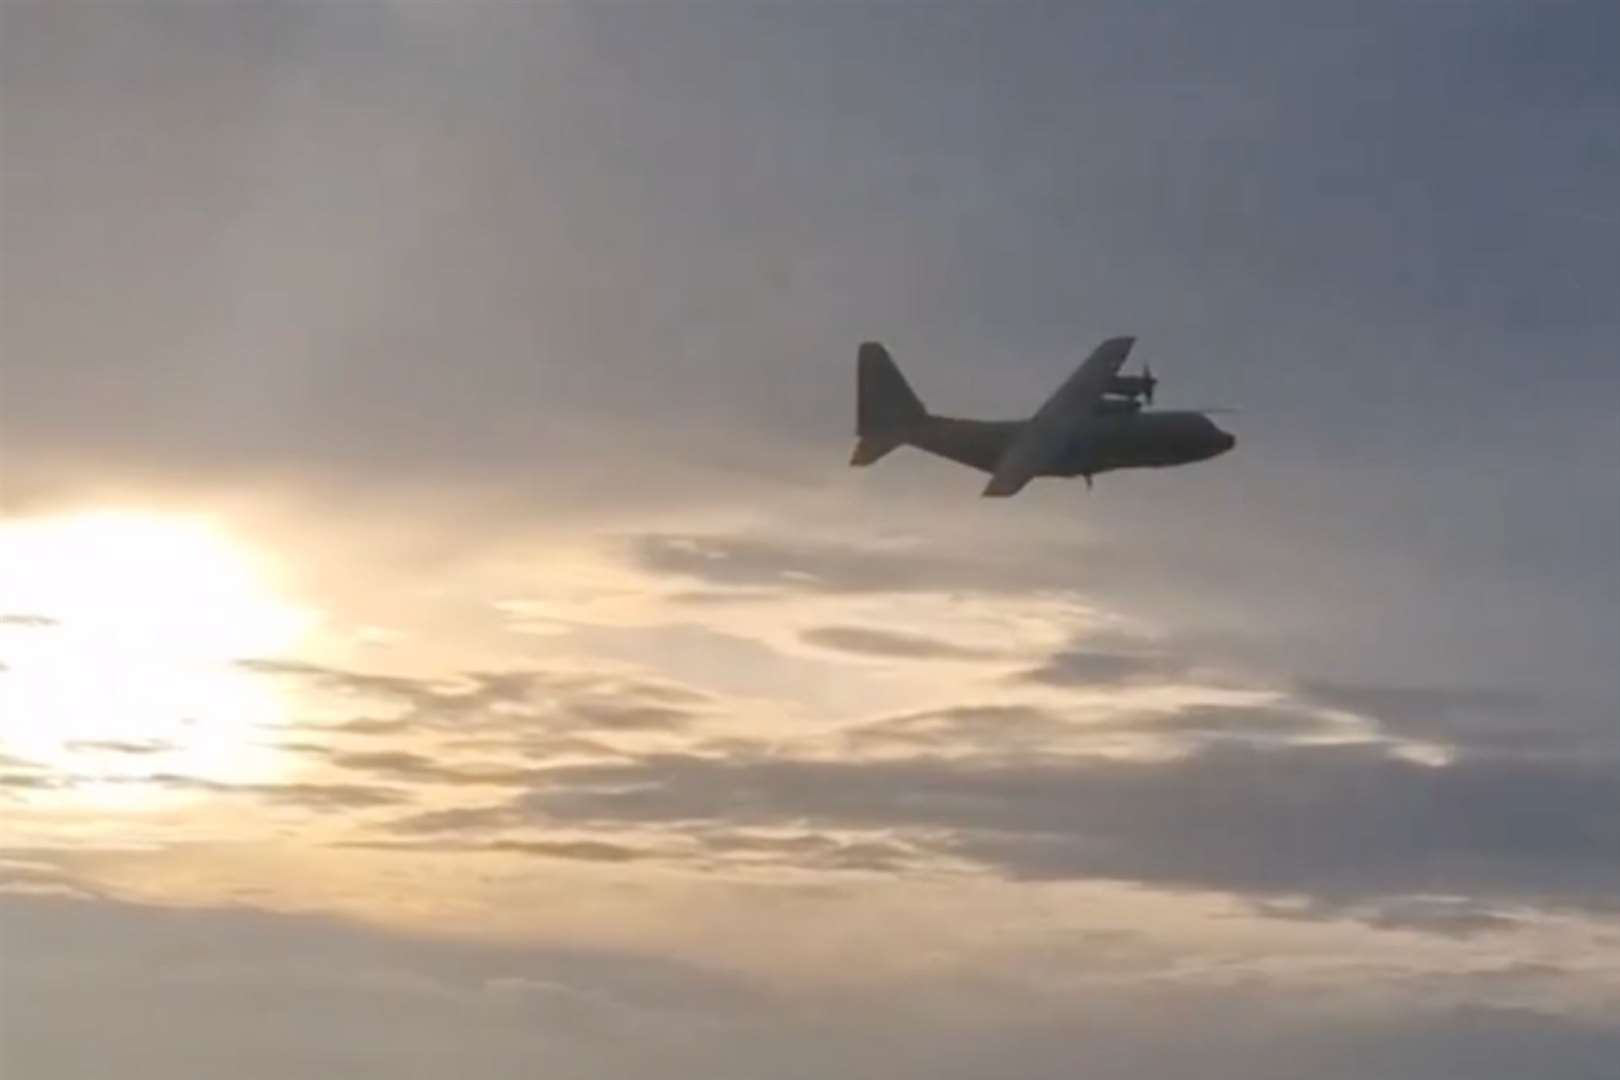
<point x="1093" y="424"/>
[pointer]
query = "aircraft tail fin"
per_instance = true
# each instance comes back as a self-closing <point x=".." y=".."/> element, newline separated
<point x="886" y="407"/>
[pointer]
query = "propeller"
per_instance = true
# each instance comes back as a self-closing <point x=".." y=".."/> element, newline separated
<point x="1148" y="384"/>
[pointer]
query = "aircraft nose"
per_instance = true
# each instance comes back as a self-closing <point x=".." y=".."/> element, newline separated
<point x="1225" y="440"/>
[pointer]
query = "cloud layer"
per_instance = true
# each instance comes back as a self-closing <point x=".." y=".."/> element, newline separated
<point x="633" y="733"/>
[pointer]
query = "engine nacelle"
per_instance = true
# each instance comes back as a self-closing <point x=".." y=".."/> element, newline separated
<point x="1118" y="406"/>
<point x="1133" y="386"/>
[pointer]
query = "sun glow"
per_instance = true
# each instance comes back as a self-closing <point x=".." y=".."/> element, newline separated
<point x="120" y="633"/>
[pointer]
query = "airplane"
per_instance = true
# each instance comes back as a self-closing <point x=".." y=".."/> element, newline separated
<point x="1093" y="424"/>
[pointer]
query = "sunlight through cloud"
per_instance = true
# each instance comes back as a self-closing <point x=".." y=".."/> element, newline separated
<point x="121" y="634"/>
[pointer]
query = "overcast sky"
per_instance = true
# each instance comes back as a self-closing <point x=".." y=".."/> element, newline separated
<point x="441" y="634"/>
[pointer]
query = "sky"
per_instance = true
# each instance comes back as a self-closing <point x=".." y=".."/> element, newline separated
<point x="440" y="634"/>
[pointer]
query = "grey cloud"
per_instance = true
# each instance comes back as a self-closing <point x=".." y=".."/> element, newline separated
<point x="1336" y="823"/>
<point x="473" y="829"/>
<point x="26" y="873"/>
<point x="891" y="644"/>
<point x="308" y="796"/>
<point x="369" y="726"/>
<point x="982" y="728"/>
<point x="1095" y="668"/>
<point x="329" y="202"/>
<point x="391" y="687"/>
<point x="405" y="767"/>
<point x="419" y="1007"/>
<point x="653" y="692"/>
<point x="1373" y="376"/>
<point x="1447" y="916"/>
<point x="312" y="749"/>
<point x="597" y="851"/>
<point x="989" y="730"/>
<point x="29" y="781"/>
<point x="123" y="746"/>
<point x="1237" y="721"/>
<point x="582" y="850"/>
<point x="1223" y="197"/>
<point x="426" y="701"/>
<point x="1483" y="718"/>
<point x="395" y="762"/>
<point x="1434" y="701"/>
<point x="33" y="622"/>
<point x="271" y="996"/>
<point x="20" y="765"/>
<point x="455" y="819"/>
<point x="812" y="851"/>
<point x="1430" y="915"/>
<point x="541" y="748"/>
<point x="630" y="716"/>
<point x="534" y="707"/>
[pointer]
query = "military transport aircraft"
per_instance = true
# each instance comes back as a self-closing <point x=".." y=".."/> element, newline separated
<point x="1093" y="424"/>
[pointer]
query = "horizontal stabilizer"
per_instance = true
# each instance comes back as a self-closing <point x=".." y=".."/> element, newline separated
<point x="871" y="448"/>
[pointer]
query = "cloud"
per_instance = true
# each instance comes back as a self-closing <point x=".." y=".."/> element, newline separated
<point x="985" y="733"/>
<point x="779" y="566"/>
<point x="305" y="796"/>
<point x="1434" y="703"/>
<point x="980" y="729"/>
<point x="811" y="851"/>
<point x="1482" y="718"/>
<point x="29" y="781"/>
<point x="399" y="1005"/>
<point x="455" y="819"/>
<point x="582" y="850"/>
<point x="328" y="202"/>
<point x="1454" y="917"/>
<point x="1337" y="823"/>
<point x="596" y="851"/>
<point x="450" y="1006"/>
<point x="388" y="687"/>
<point x="405" y="767"/>
<point x="538" y="708"/>
<point x="1263" y="801"/>
<point x="609" y="715"/>
<point x="22" y="874"/>
<point x="22" y="775"/>
<point x="1082" y="668"/>
<point x="1440" y="915"/>
<point x="1279" y="723"/>
<point x="891" y="644"/>
<point x="130" y="747"/>
<point x="369" y="726"/>
<point x="26" y="621"/>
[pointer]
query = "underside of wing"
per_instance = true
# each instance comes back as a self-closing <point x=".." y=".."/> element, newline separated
<point x="1030" y="455"/>
<point x="1044" y="438"/>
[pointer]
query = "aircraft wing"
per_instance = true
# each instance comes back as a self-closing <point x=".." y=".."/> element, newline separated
<point x="1046" y="435"/>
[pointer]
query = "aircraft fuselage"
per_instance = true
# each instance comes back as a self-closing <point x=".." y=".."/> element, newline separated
<point x="1102" y="444"/>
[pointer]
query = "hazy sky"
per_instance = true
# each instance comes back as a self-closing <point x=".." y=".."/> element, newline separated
<point x="441" y="635"/>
